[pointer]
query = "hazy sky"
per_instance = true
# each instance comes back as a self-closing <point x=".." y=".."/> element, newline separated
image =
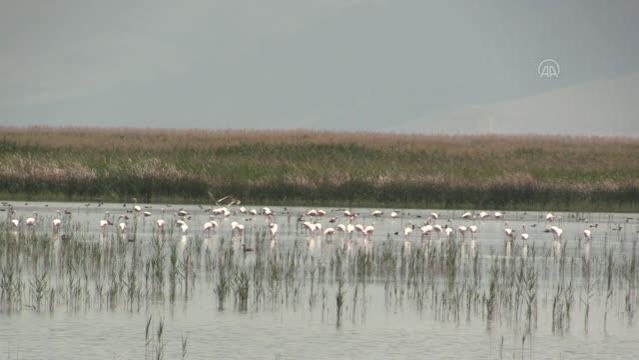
<point x="413" y="65"/>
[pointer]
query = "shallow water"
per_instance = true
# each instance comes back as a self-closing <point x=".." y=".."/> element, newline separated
<point x="383" y="315"/>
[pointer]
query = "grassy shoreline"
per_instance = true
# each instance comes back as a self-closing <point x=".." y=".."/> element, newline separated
<point x="320" y="168"/>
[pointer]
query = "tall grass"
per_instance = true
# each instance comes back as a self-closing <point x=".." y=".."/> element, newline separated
<point x="585" y="173"/>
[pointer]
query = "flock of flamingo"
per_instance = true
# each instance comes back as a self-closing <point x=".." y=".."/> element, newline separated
<point x="311" y="221"/>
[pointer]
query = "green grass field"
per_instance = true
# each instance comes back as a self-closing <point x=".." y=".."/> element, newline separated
<point x="329" y="168"/>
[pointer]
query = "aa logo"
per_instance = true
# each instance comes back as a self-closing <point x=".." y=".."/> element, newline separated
<point x="548" y="69"/>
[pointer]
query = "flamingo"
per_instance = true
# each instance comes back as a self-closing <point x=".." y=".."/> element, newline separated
<point x="137" y="208"/>
<point x="348" y="213"/>
<point x="104" y="223"/>
<point x="321" y="212"/>
<point x="448" y="231"/>
<point x="146" y="213"/>
<point x="557" y="231"/>
<point x="462" y="230"/>
<point x="438" y="228"/>
<point x="499" y="215"/>
<point x="253" y="212"/>
<point x="160" y="224"/>
<point x="550" y="217"/>
<point x="329" y="232"/>
<point x="122" y="227"/>
<point x="184" y="228"/>
<point x="434" y="215"/>
<point x="483" y="215"/>
<point x="407" y="231"/>
<point x="341" y="228"/>
<point x="56" y="224"/>
<point x="369" y="230"/>
<point x="267" y="211"/>
<point x="509" y="232"/>
<point x="467" y="215"/>
<point x="473" y="230"/>
<point x="394" y="215"/>
<point x="588" y="234"/>
<point x="377" y="213"/>
<point x="359" y="228"/>
<point x="30" y="221"/>
<point x="235" y="226"/>
<point x="273" y="229"/>
<point x="350" y="228"/>
<point x="182" y="213"/>
<point x="15" y="223"/>
<point x="242" y="210"/>
<point x="209" y="225"/>
<point x="312" y="212"/>
<point x="524" y="234"/>
<point x="426" y="229"/>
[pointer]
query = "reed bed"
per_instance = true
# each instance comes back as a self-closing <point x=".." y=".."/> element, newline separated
<point x="299" y="166"/>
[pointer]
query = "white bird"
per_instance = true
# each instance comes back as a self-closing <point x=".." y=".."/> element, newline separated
<point x="557" y="231"/>
<point x="350" y="228"/>
<point x="146" y="213"/>
<point x="180" y="222"/>
<point x="426" y="229"/>
<point x="312" y="212"/>
<point x="242" y="210"/>
<point x="209" y="225"/>
<point x="184" y="228"/>
<point x="467" y="215"/>
<point x="30" y="221"/>
<point x="394" y="214"/>
<point x="550" y="217"/>
<point x="182" y="213"/>
<point x="510" y="232"/>
<point x="369" y="230"/>
<point x="137" y="208"/>
<point x="329" y="231"/>
<point x="15" y="222"/>
<point x="448" y="231"/>
<point x="56" y="223"/>
<point x="407" y="231"/>
<point x="341" y="228"/>
<point x="359" y="228"/>
<point x="253" y="212"/>
<point x="377" y="213"/>
<point x="524" y="234"/>
<point x="434" y="215"/>
<point x="483" y="214"/>
<point x="321" y="212"/>
<point x="473" y="230"/>
<point x="348" y="213"/>
<point x="267" y="211"/>
<point x="105" y="223"/>
<point x="273" y="229"/>
<point x="309" y="226"/>
<point x="221" y="211"/>
<point x="587" y="234"/>
<point x="499" y="215"/>
<point x="122" y="227"/>
<point x="160" y="223"/>
<point x="438" y="228"/>
<point x="235" y="226"/>
<point x="462" y="230"/>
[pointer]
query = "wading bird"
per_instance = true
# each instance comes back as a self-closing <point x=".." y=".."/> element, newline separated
<point x="56" y="224"/>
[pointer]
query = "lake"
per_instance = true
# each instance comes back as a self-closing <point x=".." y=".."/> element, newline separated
<point x="82" y="291"/>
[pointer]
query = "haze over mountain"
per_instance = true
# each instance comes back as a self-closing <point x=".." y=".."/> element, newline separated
<point x="458" y="66"/>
